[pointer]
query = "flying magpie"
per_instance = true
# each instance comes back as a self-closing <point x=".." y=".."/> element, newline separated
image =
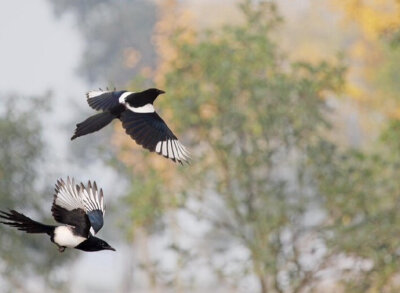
<point x="79" y="208"/>
<point x="138" y="117"/>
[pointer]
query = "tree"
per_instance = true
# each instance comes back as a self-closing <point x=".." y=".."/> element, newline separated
<point x="264" y="162"/>
<point x="117" y="37"/>
<point x="372" y="56"/>
<point x="21" y="144"/>
<point x="250" y="115"/>
<point x="360" y="191"/>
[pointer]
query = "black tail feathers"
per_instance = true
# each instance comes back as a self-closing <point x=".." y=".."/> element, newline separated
<point x="23" y="223"/>
<point x="92" y="124"/>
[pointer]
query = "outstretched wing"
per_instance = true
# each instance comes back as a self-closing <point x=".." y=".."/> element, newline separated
<point x="93" y="201"/>
<point x="79" y="206"/>
<point x="68" y="207"/>
<point x="151" y="132"/>
<point x="103" y="100"/>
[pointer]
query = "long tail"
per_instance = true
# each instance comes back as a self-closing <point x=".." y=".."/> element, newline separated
<point x="93" y="123"/>
<point x="23" y="223"/>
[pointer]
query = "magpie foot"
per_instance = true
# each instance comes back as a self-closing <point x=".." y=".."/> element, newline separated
<point x="61" y="248"/>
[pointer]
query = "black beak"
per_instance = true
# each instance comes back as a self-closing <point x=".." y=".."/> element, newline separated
<point x="160" y="92"/>
<point x="110" y="248"/>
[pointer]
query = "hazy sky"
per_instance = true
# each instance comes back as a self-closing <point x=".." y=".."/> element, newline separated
<point x="38" y="52"/>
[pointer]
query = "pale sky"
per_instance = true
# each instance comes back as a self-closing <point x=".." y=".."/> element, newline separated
<point x="38" y="52"/>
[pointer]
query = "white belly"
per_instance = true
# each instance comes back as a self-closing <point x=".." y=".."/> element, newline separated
<point x="63" y="236"/>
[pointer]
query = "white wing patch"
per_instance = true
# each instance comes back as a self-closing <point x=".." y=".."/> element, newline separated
<point x="68" y="195"/>
<point x="158" y="147"/>
<point x="173" y="149"/>
<point x="123" y="97"/>
<point x="92" y="198"/>
<point x="170" y="152"/>
<point x="164" y="149"/>
<point x="148" y="108"/>
<point x="71" y="196"/>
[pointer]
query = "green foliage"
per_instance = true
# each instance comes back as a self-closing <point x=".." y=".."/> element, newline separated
<point x="257" y="126"/>
<point x="361" y="195"/>
<point x="387" y="78"/>
<point x="145" y="203"/>
<point x="252" y="115"/>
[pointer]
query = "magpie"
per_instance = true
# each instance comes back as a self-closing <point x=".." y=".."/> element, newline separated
<point x="79" y="208"/>
<point x="139" y="119"/>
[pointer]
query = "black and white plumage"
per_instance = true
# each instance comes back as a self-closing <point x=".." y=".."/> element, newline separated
<point x="80" y="209"/>
<point x="139" y="119"/>
<point x="76" y="202"/>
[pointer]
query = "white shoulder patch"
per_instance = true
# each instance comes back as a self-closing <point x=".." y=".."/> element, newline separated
<point x="148" y="108"/>
<point x="123" y="97"/>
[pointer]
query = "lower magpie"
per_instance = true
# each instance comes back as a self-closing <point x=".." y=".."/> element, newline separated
<point x="79" y="208"/>
<point x="139" y="119"/>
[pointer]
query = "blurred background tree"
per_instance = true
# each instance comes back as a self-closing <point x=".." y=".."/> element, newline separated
<point x="117" y="37"/>
<point x="360" y="193"/>
<point x="372" y="51"/>
<point x="293" y="186"/>
<point x="250" y="120"/>
<point x="26" y="259"/>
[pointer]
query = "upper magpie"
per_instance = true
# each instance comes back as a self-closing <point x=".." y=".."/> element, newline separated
<point x="138" y="117"/>
<point x="80" y="209"/>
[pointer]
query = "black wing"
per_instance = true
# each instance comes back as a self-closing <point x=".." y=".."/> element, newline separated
<point x="68" y="207"/>
<point x="79" y="205"/>
<point x="93" y="201"/>
<point x="76" y="218"/>
<point x="151" y="132"/>
<point x="103" y="100"/>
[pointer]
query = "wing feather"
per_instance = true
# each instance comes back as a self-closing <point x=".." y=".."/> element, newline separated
<point x="68" y="195"/>
<point x="150" y="131"/>
<point x="93" y="201"/>
<point x="79" y="206"/>
<point x="103" y="100"/>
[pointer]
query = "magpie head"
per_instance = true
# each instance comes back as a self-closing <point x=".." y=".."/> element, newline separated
<point x="105" y="246"/>
<point x="152" y="93"/>
<point x="94" y="244"/>
<point x="159" y="92"/>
